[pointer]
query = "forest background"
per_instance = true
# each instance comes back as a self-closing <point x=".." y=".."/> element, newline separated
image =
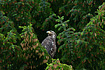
<point x="80" y="28"/>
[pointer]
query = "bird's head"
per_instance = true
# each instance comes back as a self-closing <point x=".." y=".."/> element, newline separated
<point x="51" y="33"/>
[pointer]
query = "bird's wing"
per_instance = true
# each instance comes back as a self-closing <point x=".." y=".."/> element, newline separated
<point x="47" y="43"/>
<point x="53" y="50"/>
<point x="50" y="45"/>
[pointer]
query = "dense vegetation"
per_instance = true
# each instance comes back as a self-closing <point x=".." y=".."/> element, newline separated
<point x="79" y="24"/>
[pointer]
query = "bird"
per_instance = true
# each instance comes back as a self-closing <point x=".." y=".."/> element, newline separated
<point x="49" y="43"/>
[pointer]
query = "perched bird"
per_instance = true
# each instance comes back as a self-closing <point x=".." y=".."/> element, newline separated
<point x="50" y="43"/>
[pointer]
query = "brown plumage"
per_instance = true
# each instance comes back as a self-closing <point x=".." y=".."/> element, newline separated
<point x="50" y="43"/>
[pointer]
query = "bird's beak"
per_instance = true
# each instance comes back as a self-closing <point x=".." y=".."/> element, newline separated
<point x="48" y="32"/>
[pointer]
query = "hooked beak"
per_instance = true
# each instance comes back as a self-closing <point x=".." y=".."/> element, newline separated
<point x="48" y="32"/>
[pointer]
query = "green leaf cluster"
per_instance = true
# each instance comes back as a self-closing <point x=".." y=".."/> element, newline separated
<point x="85" y="49"/>
<point x="79" y="24"/>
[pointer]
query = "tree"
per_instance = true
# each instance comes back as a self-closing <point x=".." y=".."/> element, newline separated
<point x="80" y="33"/>
<point x="83" y="49"/>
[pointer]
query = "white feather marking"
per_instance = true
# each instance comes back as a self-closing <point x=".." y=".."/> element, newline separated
<point x="53" y="36"/>
<point x="52" y="43"/>
<point x="51" y="49"/>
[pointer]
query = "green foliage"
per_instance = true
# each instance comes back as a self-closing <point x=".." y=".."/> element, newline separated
<point x="84" y="49"/>
<point x="25" y="12"/>
<point x="55" y="65"/>
<point x="48" y="22"/>
<point x="41" y="12"/>
<point x="78" y="12"/>
<point x="35" y="55"/>
<point x="18" y="12"/>
<point x="10" y="53"/>
<point x="80" y="33"/>
<point x="20" y="51"/>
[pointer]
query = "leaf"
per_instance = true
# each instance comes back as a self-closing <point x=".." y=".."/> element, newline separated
<point x="63" y="24"/>
<point x="67" y="21"/>
<point x="62" y="17"/>
<point x="57" y="25"/>
<point x="81" y="33"/>
<point x="58" y="20"/>
<point x="60" y="28"/>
